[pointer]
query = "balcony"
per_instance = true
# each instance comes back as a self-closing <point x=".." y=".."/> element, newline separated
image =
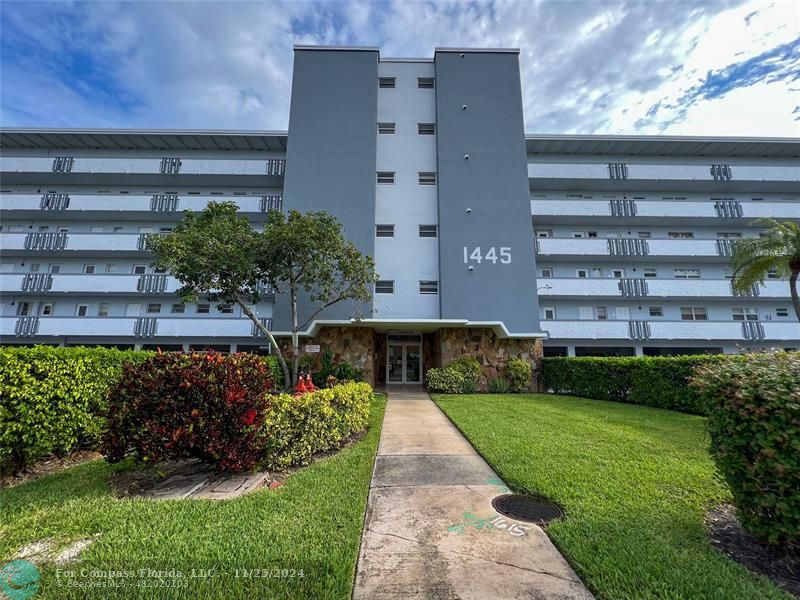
<point x="616" y="247"/>
<point x="682" y="212"/>
<point x="125" y="206"/>
<point x="65" y="244"/>
<point x="661" y="175"/>
<point x="568" y="287"/>
<point x="128" y="327"/>
<point x="734" y="331"/>
<point x="154" y="170"/>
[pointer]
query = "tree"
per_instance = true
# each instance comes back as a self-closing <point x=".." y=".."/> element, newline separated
<point x="214" y="253"/>
<point x="777" y="250"/>
<point x="308" y="253"/>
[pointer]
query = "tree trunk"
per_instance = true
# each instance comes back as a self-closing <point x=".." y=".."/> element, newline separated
<point x="286" y="378"/>
<point x="793" y="290"/>
<point x="295" y="340"/>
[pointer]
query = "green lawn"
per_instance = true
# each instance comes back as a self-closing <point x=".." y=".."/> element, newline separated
<point x="311" y="525"/>
<point x="635" y="483"/>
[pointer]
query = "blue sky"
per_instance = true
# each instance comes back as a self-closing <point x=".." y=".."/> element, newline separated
<point x="718" y="67"/>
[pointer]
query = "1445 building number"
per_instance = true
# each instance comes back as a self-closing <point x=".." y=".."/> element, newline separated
<point x="492" y="255"/>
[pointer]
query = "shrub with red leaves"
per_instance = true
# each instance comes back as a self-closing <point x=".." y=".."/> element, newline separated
<point x="197" y="405"/>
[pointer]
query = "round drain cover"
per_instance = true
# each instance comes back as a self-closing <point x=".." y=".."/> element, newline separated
<point x="524" y="507"/>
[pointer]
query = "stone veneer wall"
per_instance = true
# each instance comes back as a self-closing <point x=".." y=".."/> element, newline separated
<point x="355" y="345"/>
<point x="491" y="352"/>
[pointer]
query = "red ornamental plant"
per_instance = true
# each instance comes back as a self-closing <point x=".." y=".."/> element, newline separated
<point x="196" y="405"/>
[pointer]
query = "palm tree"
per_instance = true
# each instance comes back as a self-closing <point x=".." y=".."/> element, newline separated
<point x="777" y="250"/>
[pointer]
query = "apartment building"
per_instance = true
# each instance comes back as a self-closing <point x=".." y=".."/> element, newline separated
<point x="619" y="245"/>
<point x="634" y="237"/>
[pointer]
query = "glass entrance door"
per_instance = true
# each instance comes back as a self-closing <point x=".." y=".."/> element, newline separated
<point x="404" y="362"/>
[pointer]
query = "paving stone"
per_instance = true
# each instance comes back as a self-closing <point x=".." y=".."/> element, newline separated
<point x="232" y="486"/>
<point x="179" y="487"/>
<point x="427" y="469"/>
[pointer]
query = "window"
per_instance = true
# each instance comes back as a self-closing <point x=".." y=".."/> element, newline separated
<point x="386" y="177"/>
<point x="549" y="313"/>
<point x="133" y="309"/>
<point x="225" y="309"/>
<point x="644" y="235"/>
<point x="426" y="178"/>
<point x="728" y="235"/>
<point x="203" y="308"/>
<point x="147" y="230"/>
<point x="693" y="313"/>
<point x="165" y="229"/>
<point x="44" y="228"/>
<point x="16" y="229"/>
<point x="89" y="269"/>
<point x="727" y="273"/>
<point x="111" y="268"/>
<point x="428" y="231"/>
<point x="118" y="229"/>
<point x="178" y="309"/>
<point x="426" y="128"/>
<point x="23" y="309"/>
<point x="591" y="234"/>
<point x="386" y="82"/>
<point x="655" y="311"/>
<point x="582" y="273"/>
<point x="578" y="234"/>
<point x="597" y="272"/>
<point x="781" y="312"/>
<point x="585" y="313"/>
<point x="159" y="269"/>
<point x="602" y="313"/>
<point x="139" y="269"/>
<point x="623" y="313"/>
<point x="544" y="233"/>
<point x="55" y="268"/>
<point x="546" y="272"/>
<point x="680" y="235"/>
<point x="386" y="128"/>
<point x="46" y="309"/>
<point x="618" y="273"/>
<point x="687" y="273"/>
<point x="384" y="231"/>
<point x="82" y="310"/>
<point x="384" y="287"/>
<point x="772" y="273"/>
<point x="34" y="267"/>
<point x="426" y="83"/>
<point x="102" y="309"/>
<point x="62" y="229"/>
<point x="154" y="307"/>
<point x="428" y="287"/>
<point x="96" y="229"/>
<point x="744" y="314"/>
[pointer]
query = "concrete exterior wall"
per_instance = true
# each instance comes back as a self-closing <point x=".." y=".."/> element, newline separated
<point x="484" y="199"/>
<point x="330" y="159"/>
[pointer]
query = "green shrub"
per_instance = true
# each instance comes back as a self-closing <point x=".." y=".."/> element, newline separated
<point x="53" y="400"/>
<point x="754" y="425"/>
<point x="469" y="387"/>
<point x="299" y="427"/>
<point x="195" y="405"/>
<point x="275" y="369"/>
<point x="659" y="381"/>
<point x="498" y="385"/>
<point x="445" y="381"/>
<point x="342" y="371"/>
<point x="520" y="373"/>
<point x="469" y="367"/>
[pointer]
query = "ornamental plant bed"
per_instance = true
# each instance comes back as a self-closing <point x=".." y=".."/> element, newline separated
<point x="53" y="464"/>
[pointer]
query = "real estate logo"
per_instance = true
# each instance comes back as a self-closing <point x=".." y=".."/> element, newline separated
<point x="19" y="580"/>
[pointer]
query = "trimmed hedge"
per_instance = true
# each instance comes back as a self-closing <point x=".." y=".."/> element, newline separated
<point x="754" y="424"/>
<point x="196" y="405"/>
<point x="520" y="373"/>
<point x="52" y="399"/>
<point x="459" y="377"/>
<point x="658" y="381"/>
<point x="302" y="426"/>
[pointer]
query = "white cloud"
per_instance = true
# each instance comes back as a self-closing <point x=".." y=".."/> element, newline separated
<point x="618" y="66"/>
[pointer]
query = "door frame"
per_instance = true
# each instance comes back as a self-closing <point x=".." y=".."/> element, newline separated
<point x="404" y="345"/>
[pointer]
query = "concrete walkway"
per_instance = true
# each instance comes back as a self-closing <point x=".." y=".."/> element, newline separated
<point x="431" y="531"/>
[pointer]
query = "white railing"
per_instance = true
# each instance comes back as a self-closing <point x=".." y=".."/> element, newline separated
<point x="124" y="203"/>
<point x="669" y="330"/>
<point x="656" y="288"/>
<point x="652" y="171"/>
<point x="600" y="247"/>
<point x="191" y="166"/>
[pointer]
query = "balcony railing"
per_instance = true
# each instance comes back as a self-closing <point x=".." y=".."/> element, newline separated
<point x="626" y="247"/>
<point x="656" y="288"/>
<point x="80" y="204"/>
<point x="130" y="327"/>
<point x="730" y="331"/>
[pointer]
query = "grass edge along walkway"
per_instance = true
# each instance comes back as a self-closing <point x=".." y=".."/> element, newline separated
<point x="635" y="483"/>
<point x="258" y="545"/>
